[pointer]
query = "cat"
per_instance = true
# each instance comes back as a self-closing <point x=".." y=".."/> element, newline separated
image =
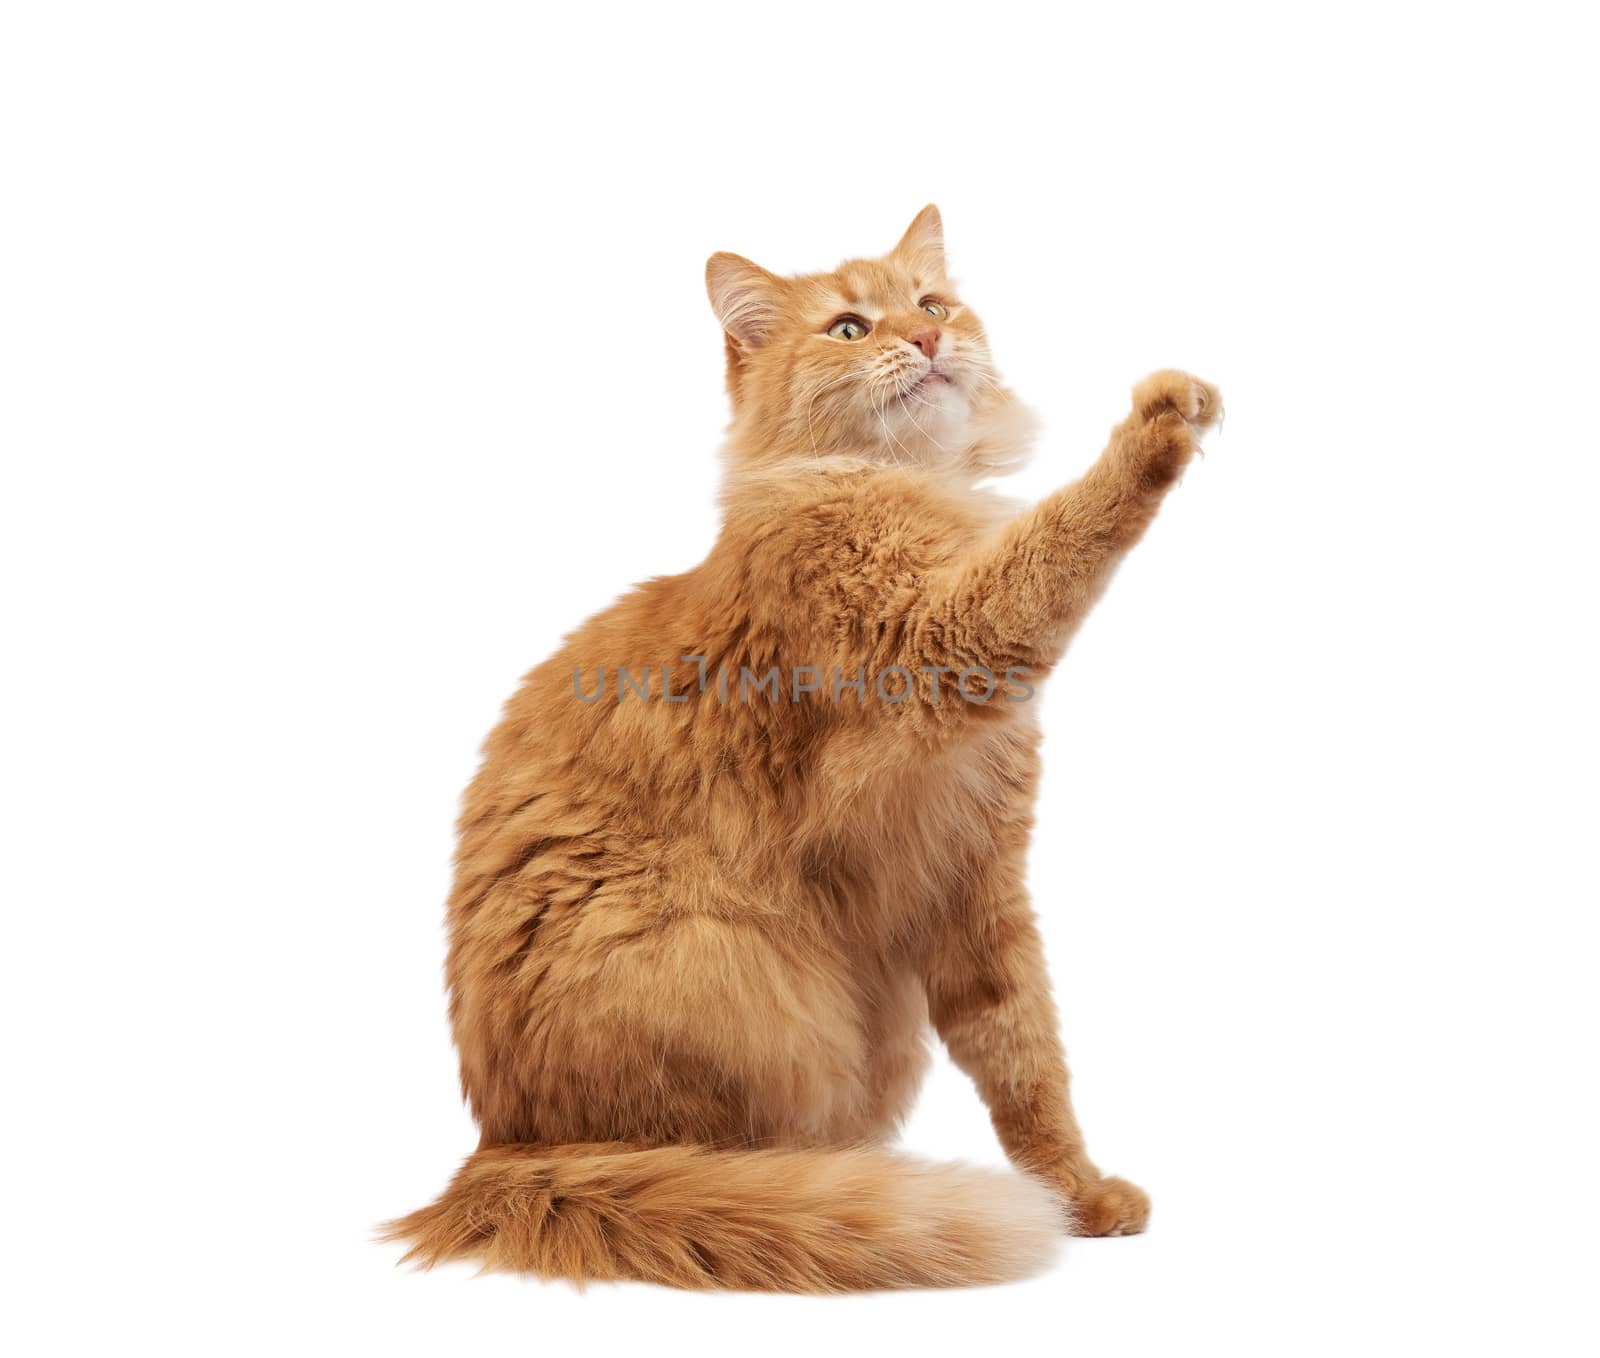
<point x="699" y="928"/>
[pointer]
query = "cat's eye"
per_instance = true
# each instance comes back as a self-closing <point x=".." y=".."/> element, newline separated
<point x="848" y="328"/>
<point x="935" y="308"/>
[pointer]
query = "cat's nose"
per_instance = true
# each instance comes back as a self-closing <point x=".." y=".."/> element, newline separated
<point x="926" y="340"/>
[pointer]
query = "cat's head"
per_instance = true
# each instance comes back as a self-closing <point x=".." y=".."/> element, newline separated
<point x="879" y="360"/>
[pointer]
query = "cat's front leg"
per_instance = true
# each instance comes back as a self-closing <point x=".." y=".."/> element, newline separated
<point x="1084" y="529"/>
<point x="989" y="998"/>
<point x="1017" y="598"/>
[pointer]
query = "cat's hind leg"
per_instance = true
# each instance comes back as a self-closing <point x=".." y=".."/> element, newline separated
<point x="658" y="1026"/>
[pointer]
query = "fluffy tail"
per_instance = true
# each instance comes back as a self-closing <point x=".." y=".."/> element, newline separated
<point x="830" y="1220"/>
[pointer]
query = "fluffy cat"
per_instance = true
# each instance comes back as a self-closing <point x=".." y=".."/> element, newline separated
<point x="701" y="923"/>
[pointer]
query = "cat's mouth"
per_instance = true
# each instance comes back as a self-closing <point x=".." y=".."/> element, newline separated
<point x="931" y="380"/>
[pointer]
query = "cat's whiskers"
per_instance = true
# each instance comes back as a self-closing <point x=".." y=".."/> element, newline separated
<point x="887" y="432"/>
<point x="810" y="403"/>
<point x="901" y="397"/>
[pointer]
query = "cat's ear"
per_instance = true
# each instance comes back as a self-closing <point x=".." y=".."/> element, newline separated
<point x="922" y="246"/>
<point x="747" y="299"/>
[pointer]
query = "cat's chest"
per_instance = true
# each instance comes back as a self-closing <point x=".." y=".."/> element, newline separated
<point x="906" y="827"/>
<point x="910" y="536"/>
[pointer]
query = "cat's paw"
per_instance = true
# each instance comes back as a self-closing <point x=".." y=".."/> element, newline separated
<point x="1197" y="402"/>
<point x="1171" y="410"/>
<point x="1108" y="1206"/>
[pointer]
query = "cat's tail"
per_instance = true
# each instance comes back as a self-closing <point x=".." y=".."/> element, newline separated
<point x="824" y="1220"/>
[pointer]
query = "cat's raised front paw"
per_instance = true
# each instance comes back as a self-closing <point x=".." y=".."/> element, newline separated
<point x="1171" y="410"/>
<point x="1198" y="402"/>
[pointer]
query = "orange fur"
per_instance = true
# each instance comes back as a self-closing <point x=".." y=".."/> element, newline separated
<point x="696" y="944"/>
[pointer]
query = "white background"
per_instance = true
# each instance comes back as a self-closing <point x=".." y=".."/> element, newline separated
<point x="353" y="353"/>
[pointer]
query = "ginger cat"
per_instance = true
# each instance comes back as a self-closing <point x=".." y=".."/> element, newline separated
<point x="704" y="914"/>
